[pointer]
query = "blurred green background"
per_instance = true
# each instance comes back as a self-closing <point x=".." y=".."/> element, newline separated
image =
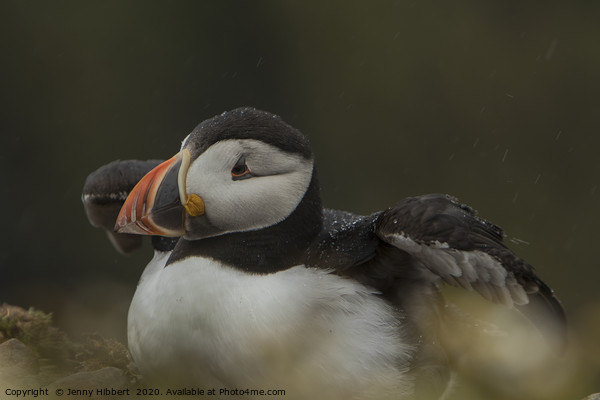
<point x="497" y="103"/>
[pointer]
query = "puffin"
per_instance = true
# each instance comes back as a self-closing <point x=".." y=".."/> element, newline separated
<point x="254" y="285"/>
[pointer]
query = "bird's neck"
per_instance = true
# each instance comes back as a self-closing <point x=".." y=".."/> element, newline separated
<point x="266" y="250"/>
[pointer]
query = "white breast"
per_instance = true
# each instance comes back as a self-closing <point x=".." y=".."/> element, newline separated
<point x="303" y="330"/>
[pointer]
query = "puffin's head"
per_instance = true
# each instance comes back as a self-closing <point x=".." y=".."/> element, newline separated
<point x="240" y="171"/>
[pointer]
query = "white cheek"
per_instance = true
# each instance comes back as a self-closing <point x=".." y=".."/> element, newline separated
<point x="262" y="201"/>
<point x="251" y="203"/>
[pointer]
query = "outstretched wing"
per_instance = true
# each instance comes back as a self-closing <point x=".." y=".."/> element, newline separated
<point x="463" y="250"/>
<point x="104" y="193"/>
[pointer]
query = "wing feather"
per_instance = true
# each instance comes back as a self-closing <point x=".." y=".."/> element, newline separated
<point x="463" y="250"/>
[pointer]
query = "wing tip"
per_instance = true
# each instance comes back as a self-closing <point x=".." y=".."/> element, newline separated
<point x="548" y="314"/>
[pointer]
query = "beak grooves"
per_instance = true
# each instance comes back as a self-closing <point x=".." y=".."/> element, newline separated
<point x="136" y="214"/>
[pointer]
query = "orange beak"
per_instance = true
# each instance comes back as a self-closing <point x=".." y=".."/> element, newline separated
<point x="154" y="205"/>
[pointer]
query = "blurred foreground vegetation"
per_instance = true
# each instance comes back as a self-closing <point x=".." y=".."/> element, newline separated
<point x="503" y="359"/>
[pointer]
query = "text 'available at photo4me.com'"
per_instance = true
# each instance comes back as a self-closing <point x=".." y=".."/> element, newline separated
<point x="26" y="393"/>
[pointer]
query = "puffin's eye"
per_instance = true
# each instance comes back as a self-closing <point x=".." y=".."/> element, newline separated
<point x="240" y="170"/>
